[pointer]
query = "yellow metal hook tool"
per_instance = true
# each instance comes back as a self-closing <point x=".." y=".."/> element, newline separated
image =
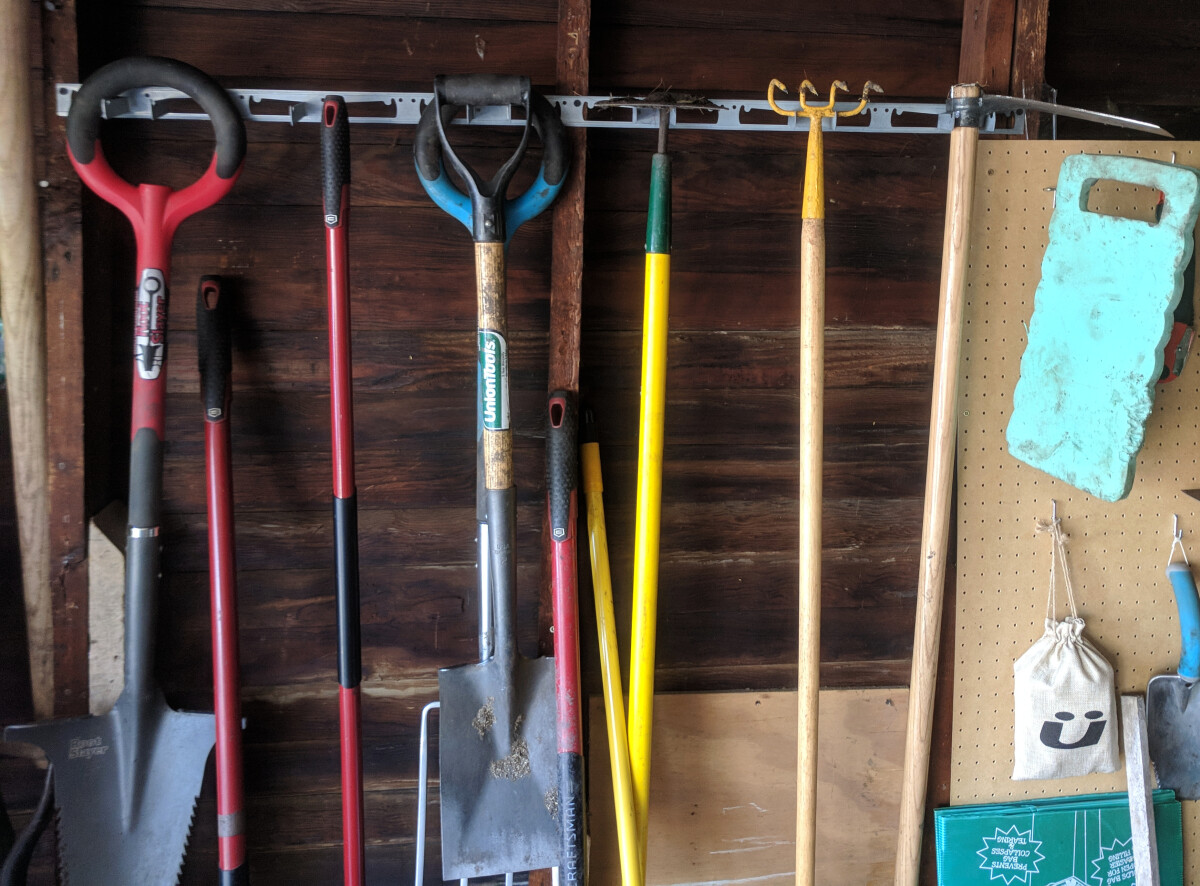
<point x="812" y="385"/>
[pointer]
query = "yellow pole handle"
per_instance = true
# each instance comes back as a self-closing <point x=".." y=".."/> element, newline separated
<point x="610" y="669"/>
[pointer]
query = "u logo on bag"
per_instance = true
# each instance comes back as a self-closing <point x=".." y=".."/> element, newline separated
<point x="1051" y="735"/>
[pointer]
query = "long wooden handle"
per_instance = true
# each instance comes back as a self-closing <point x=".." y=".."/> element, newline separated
<point x="23" y="314"/>
<point x="939" y="481"/>
<point x="812" y="456"/>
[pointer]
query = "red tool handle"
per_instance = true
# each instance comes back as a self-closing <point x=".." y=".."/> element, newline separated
<point x="213" y="346"/>
<point x="335" y="179"/>
<point x="562" y="495"/>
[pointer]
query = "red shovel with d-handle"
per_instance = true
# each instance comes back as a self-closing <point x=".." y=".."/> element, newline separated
<point x="125" y="782"/>
<point x="496" y="735"/>
<point x="214" y="348"/>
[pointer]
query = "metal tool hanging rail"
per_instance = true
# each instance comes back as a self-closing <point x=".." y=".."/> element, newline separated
<point x="404" y="109"/>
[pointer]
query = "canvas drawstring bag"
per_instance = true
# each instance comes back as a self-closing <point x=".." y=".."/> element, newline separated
<point x="1065" y="698"/>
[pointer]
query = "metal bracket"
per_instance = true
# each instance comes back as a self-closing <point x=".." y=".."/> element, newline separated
<point x="294" y="106"/>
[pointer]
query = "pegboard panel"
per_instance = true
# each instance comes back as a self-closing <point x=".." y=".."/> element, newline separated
<point x="1117" y="551"/>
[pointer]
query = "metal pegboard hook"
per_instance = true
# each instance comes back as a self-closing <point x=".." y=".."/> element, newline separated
<point x="1176" y="541"/>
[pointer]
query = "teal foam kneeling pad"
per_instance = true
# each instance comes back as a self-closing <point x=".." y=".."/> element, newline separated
<point x="1102" y="314"/>
<point x="1064" y="841"/>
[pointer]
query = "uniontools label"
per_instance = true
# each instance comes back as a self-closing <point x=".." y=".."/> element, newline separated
<point x="1011" y="856"/>
<point x="493" y="381"/>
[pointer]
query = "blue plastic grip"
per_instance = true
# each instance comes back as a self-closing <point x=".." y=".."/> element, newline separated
<point x="531" y="203"/>
<point x="1189" y="619"/>
<point x="517" y="211"/>
<point x="448" y="198"/>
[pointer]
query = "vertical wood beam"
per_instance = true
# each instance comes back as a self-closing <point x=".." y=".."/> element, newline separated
<point x="566" y="273"/>
<point x="23" y="312"/>
<point x="1029" y="59"/>
<point x="985" y="56"/>
<point x="566" y="269"/>
<point x="62" y="245"/>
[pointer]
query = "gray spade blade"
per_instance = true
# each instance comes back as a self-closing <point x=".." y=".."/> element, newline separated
<point x="498" y="756"/>
<point x="1173" y="735"/>
<point x="125" y="788"/>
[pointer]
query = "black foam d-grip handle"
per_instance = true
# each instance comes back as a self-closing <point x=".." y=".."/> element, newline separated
<point x="83" y="122"/>
<point x="562" y="461"/>
<point x="481" y="90"/>
<point x="335" y="156"/>
<point x="427" y="145"/>
<point x="553" y="134"/>
<point x="213" y="346"/>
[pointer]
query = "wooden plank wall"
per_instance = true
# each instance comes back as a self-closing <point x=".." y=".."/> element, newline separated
<point x="728" y="597"/>
<point x="729" y="533"/>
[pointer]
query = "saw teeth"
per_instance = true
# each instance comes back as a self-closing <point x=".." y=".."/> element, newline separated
<point x="187" y="838"/>
<point x="64" y="878"/>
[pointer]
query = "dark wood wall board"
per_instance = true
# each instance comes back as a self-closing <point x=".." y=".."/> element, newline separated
<point x="346" y="52"/>
<point x="1100" y="56"/>
<point x="728" y="584"/>
<point x="879" y="19"/>
<point x="510" y="10"/>
<point x="905" y="62"/>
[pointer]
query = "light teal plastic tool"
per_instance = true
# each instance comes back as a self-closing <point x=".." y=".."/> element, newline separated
<point x="1101" y="316"/>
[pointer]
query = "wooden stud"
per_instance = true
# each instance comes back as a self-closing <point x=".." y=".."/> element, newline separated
<point x="23" y="313"/>
<point x="62" y="243"/>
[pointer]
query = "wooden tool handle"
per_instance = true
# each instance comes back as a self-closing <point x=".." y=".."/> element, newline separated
<point x="939" y="480"/>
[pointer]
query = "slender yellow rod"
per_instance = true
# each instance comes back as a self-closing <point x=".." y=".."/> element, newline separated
<point x="610" y="666"/>
<point x="646" y="534"/>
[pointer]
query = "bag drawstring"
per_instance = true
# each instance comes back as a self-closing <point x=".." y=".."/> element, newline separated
<point x="1058" y="555"/>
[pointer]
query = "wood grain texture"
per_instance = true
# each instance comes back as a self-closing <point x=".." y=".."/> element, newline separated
<point x="731" y="489"/>
<point x="23" y="312"/>
<point x="723" y="789"/>
<point x="62" y="250"/>
<point x="986" y="53"/>
<point x="939" y="481"/>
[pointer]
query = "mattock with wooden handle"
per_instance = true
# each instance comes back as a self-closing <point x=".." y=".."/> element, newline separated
<point x="812" y="384"/>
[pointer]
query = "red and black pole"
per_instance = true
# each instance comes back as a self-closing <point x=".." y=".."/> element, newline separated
<point x="213" y="345"/>
<point x="562" y="497"/>
<point x="335" y="178"/>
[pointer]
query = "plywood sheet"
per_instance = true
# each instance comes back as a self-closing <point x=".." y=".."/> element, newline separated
<point x="1117" y="551"/>
<point x="723" y="788"/>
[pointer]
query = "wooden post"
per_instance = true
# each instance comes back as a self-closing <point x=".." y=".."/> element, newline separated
<point x="22" y="311"/>
<point x="62" y="244"/>
<point x="939" y="489"/>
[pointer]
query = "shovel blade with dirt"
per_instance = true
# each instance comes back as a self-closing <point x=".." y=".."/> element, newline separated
<point x="498" y="757"/>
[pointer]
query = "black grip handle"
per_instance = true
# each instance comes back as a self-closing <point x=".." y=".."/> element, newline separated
<point x="214" y="347"/>
<point x="562" y="461"/>
<point x="83" y="122"/>
<point x="549" y="127"/>
<point x="479" y="90"/>
<point x="427" y="146"/>
<point x="335" y="157"/>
